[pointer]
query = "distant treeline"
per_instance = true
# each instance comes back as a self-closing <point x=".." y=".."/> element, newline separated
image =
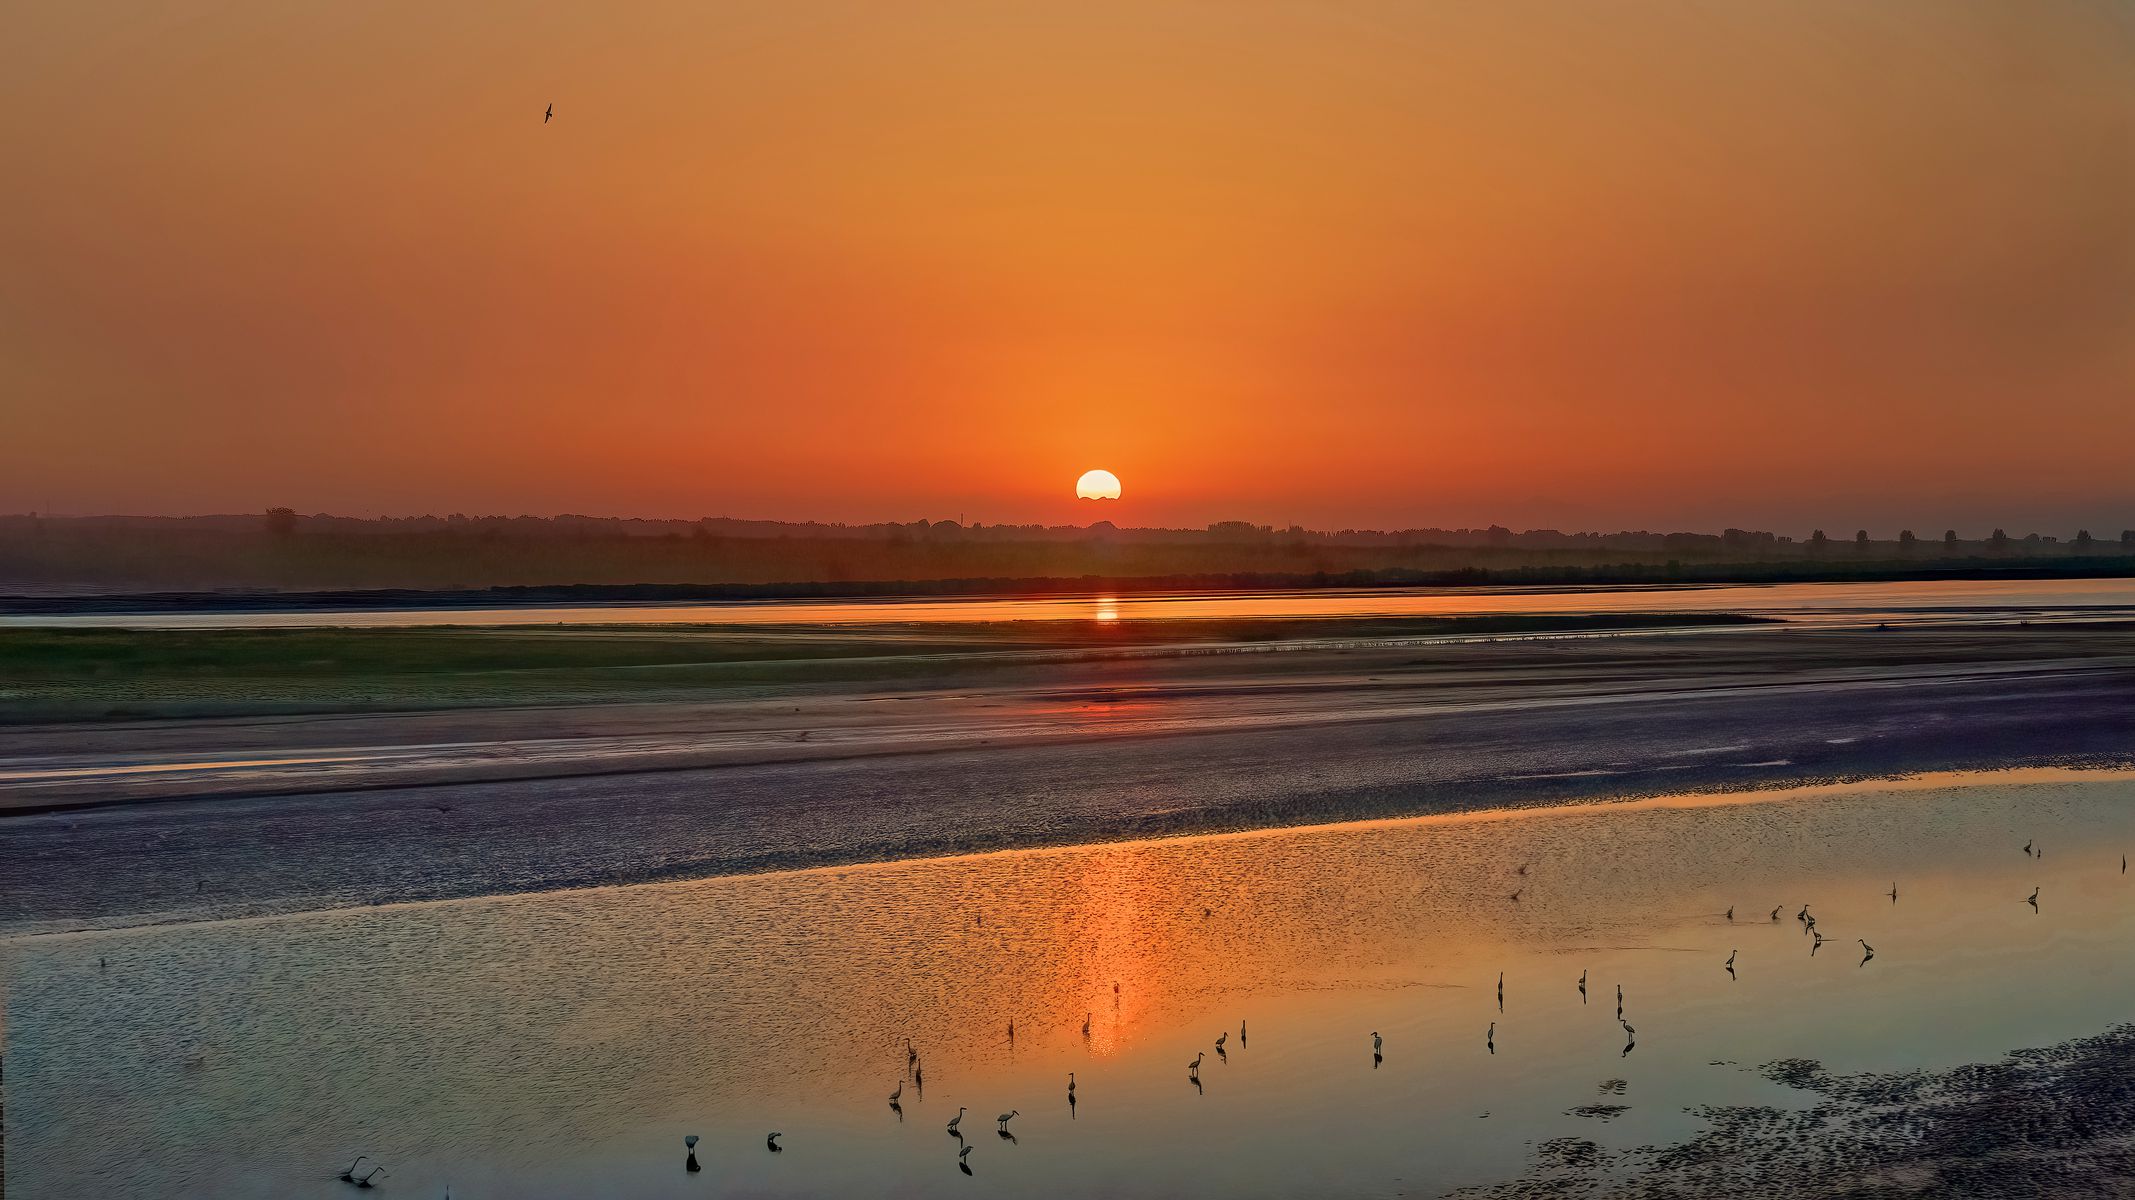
<point x="280" y="551"/>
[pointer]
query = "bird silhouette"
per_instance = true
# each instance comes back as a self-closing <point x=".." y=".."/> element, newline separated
<point x="550" y="113"/>
<point x="1893" y="893"/>
<point x="955" y="1121"/>
<point x="899" y="1093"/>
<point x="1731" y="959"/>
<point x="690" y="1164"/>
<point x="366" y="1180"/>
<point x="349" y="1176"/>
<point x="771" y="1143"/>
<point x="1490" y="1038"/>
<point x="2033" y="899"/>
<point x="1001" y="1122"/>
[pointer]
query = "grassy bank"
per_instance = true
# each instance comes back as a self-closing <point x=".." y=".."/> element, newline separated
<point x="57" y="674"/>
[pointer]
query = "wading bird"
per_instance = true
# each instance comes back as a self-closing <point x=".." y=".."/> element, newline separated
<point x="1222" y="1038"/>
<point x="955" y="1121"/>
<point x="1894" y="892"/>
<point x="1194" y="1068"/>
<point x="1490" y="1037"/>
<point x="1071" y="1085"/>
<point x="911" y="1056"/>
<point x="1001" y="1122"/>
<point x="349" y="1176"/>
<point x="771" y="1142"/>
<point x="690" y="1163"/>
<point x="1731" y="959"/>
<point x="1730" y="912"/>
<point x="1377" y="1043"/>
<point x="366" y="1180"/>
<point x="899" y="1093"/>
<point x="2033" y="899"/>
<point x="1775" y="912"/>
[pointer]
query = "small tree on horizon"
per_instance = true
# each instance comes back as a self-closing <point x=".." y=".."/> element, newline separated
<point x="1818" y="543"/>
<point x="1906" y="541"/>
<point x="1949" y="541"/>
<point x="1860" y="539"/>
<point x="281" y="522"/>
<point x="2083" y="541"/>
<point x="1999" y="541"/>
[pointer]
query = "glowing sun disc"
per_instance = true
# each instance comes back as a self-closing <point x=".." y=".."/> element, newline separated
<point x="1097" y="485"/>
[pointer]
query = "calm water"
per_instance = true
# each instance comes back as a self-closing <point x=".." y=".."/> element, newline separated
<point x="1938" y="599"/>
<point x="561" y="1045"/>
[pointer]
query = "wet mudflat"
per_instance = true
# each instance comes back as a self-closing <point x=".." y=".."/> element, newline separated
<point x="563" y="1043"/>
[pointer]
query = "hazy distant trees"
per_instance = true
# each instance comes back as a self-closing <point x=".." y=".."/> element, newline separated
<point x="1949" y="541"/>
<point x="1998" y="541"/>
<point x="2127" y="541"/>
<point x="1907" y="543"/>
<point x="1860" y="540"/>
<point x="1818" y="543"/>
<point x="2083" y="541"/>
<point x="281" y="522"/>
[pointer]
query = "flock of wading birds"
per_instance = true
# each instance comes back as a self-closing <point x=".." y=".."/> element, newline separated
<point x="916" y="1075"/>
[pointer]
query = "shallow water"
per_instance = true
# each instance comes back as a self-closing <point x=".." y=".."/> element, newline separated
<point x="1894" y="601"/>
<point x="562" y="1044"/>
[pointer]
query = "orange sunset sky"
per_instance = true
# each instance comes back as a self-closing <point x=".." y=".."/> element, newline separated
<point x="1588" y="265"/>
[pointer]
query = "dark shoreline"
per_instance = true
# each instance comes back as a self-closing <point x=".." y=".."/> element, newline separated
<point x="1670" y="575"/>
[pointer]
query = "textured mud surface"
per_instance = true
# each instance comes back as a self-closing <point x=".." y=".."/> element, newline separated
<point x="2058" y="1122"/>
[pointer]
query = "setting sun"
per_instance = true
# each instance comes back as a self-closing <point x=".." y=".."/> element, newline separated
<point x="1097" y="485"/>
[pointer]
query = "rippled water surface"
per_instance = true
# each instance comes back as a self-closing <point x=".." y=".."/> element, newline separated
<point x="561" y="1045"/>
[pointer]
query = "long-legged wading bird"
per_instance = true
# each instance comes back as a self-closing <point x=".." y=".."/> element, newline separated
<point x="1731" y="959"/>
<point x="1490" y="1037"/>
<point x="1001" y="1122"/>
<point x="1775" y="912"/>
<point x="1071" y="1084"/>
<point x="349" y="1176"/>
<point x="1627" y="1030"/>
<point x="1730" y="912"/>
<point x="1377" y="1043"/>
<point x="1894" y="892"/>
<point x="690" y="1163"/>
<point x="2033" y="899"/>
<point x="1222" y="1038"/>
<point x="911" y="1056"/>
<point x="899" y="1093"/>
<point x="1194" y="1067"/>
<point x="956" y="1120"/>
